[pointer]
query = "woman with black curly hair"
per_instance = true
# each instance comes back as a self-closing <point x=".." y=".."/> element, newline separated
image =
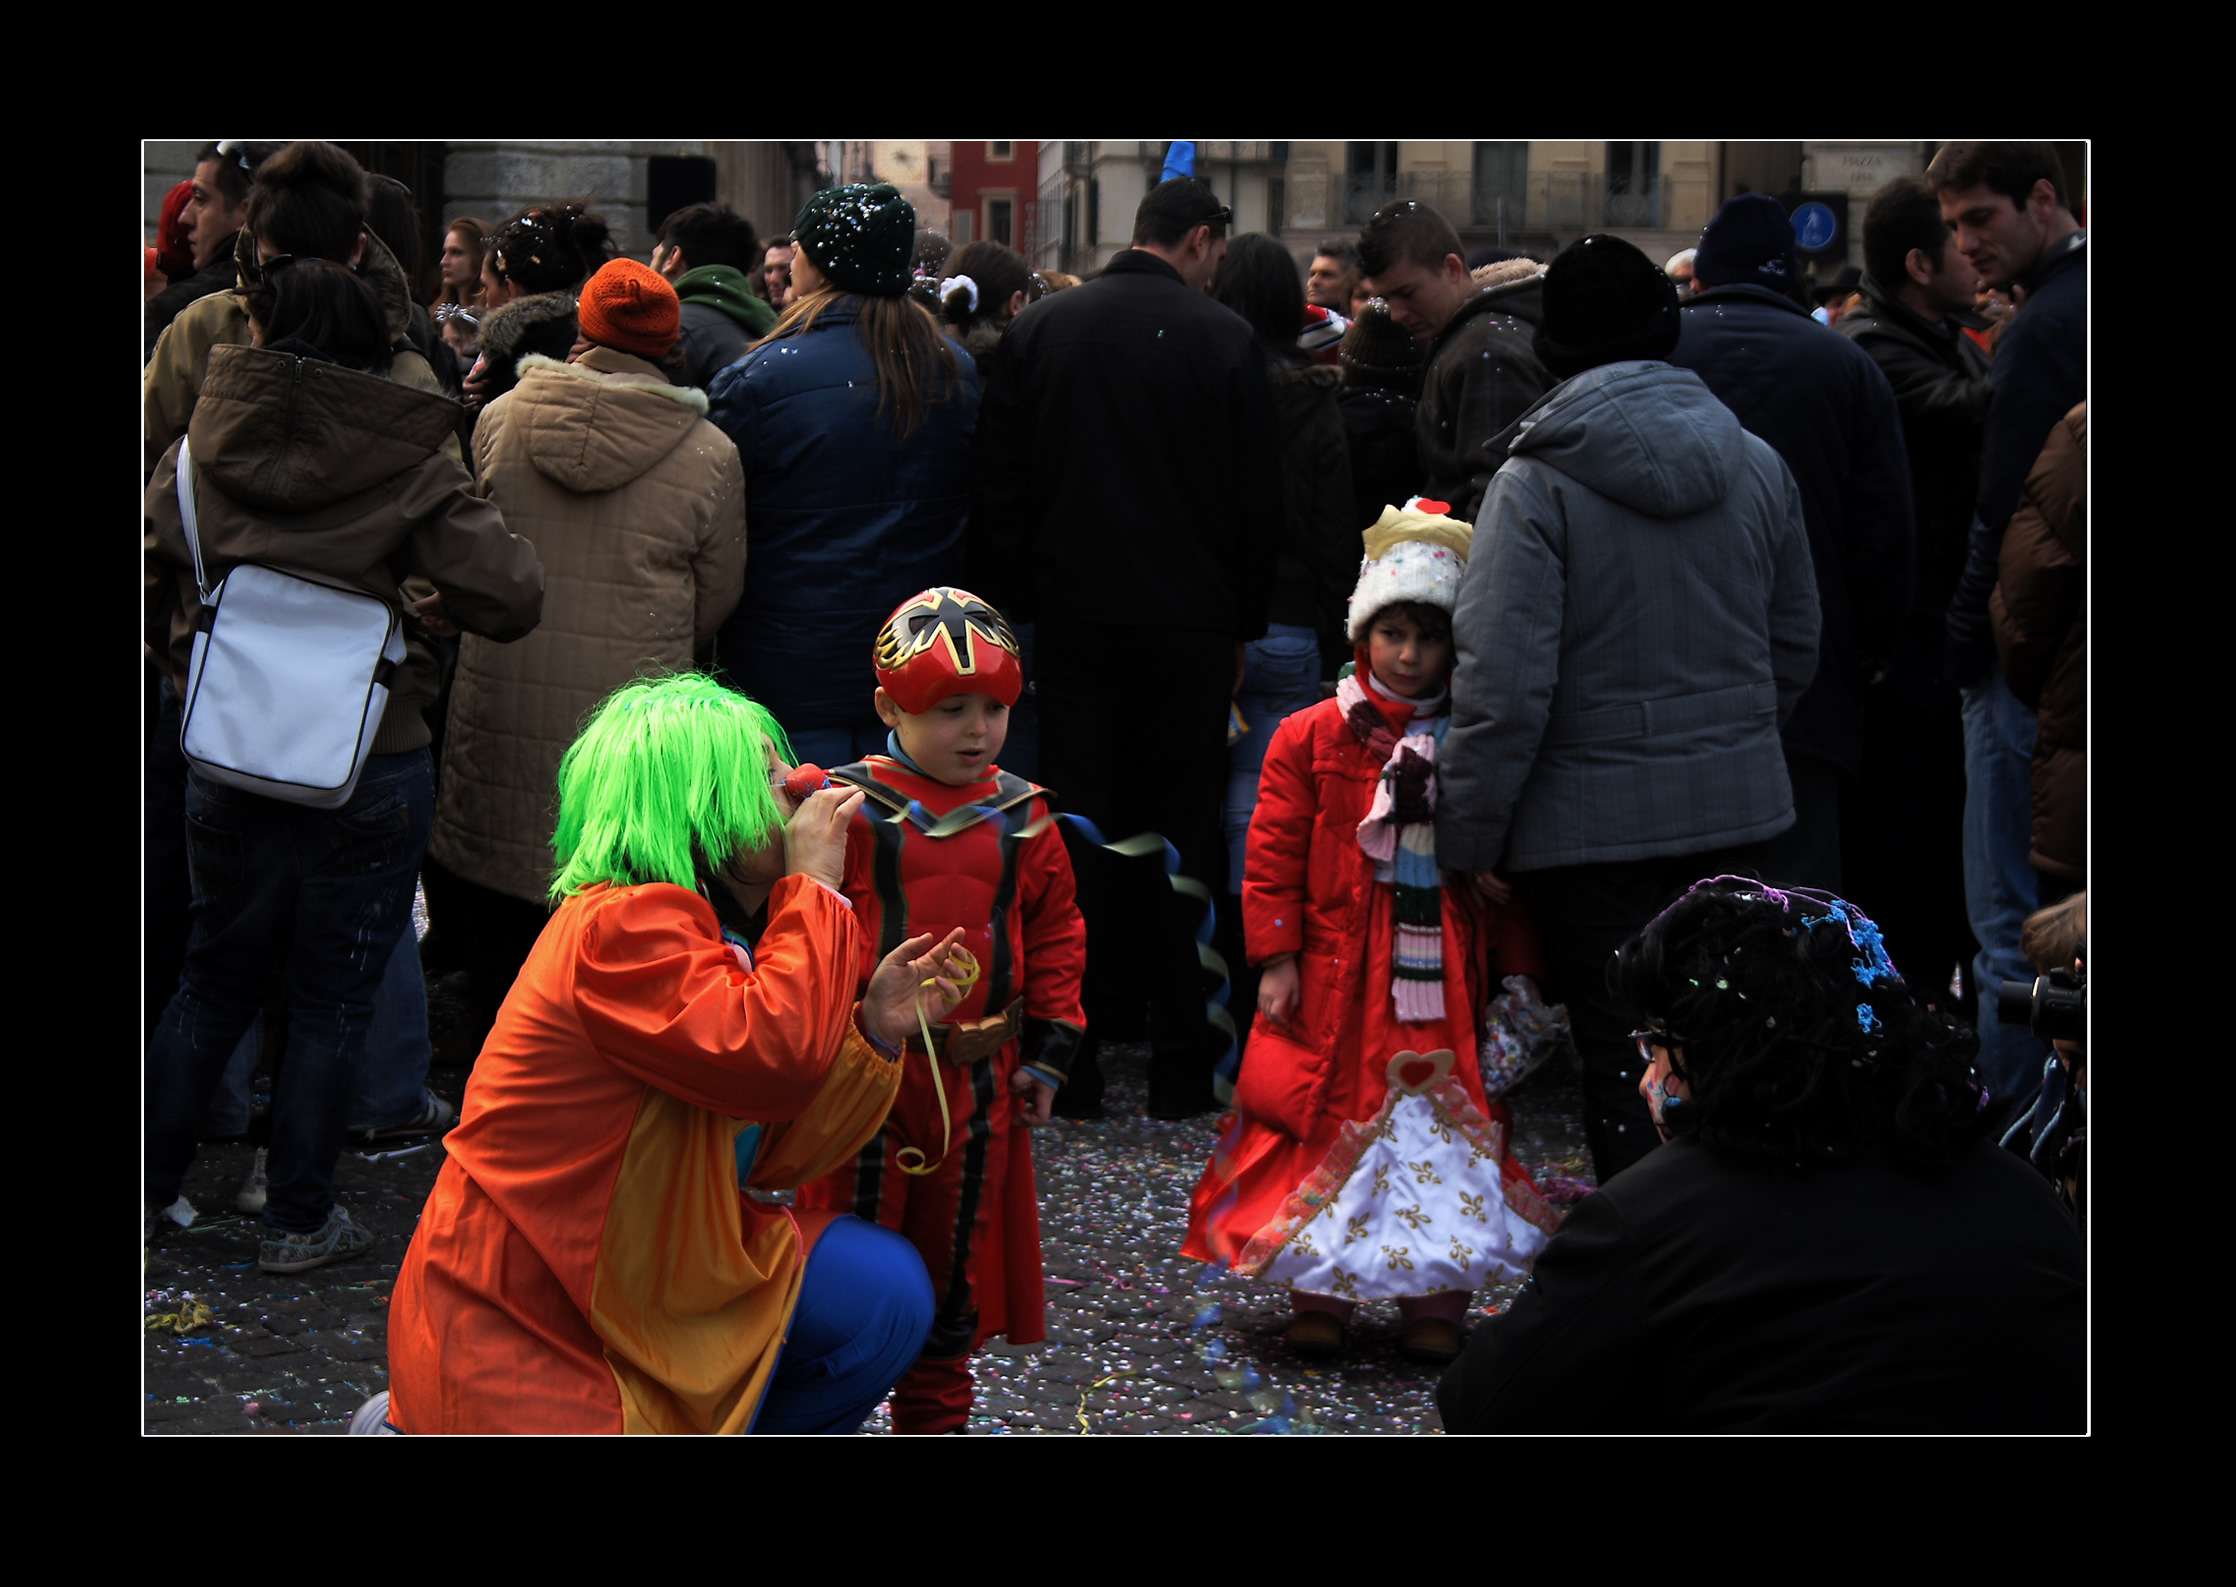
<point x="1827" y="1242"/>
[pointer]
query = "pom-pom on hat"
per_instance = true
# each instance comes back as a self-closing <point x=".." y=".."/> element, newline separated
<point x="1380" y="354"/>
<point x="630" y="306"/>
<point x="1413" y="553"/>
<point x="1750" y="243"/>
<point x="862" y="238"/>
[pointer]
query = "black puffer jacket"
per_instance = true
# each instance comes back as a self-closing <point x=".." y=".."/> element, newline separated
<point x="1385" y="450"/>
<point x="1940" y="381"/>
<point x="1483" y="375"/>
<point x="1819" y="399"/>
<point x="1320" y="546"/>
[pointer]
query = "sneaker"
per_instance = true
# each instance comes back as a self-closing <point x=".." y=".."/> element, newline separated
<point x="336" y="1238"/>
<point x="1432" y="1340"/>
<point x="250" y="1197"/>
<point x="434" y="1116"/>
<point x="1315" y="1334"/>
<point x="371" y="1418"/>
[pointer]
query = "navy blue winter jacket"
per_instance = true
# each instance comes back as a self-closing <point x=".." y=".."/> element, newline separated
<point x="1820" y="400"/>
<point x="2040" y="372"/>
<point x="843" y="519"/>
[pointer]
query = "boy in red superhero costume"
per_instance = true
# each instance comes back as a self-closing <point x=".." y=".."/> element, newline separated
<point x="947" y="836"/>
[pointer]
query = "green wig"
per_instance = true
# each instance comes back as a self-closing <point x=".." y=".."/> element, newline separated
<point x="669" y="779"/>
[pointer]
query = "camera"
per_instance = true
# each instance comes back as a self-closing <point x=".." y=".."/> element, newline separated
<point x="2053" y="1006"/>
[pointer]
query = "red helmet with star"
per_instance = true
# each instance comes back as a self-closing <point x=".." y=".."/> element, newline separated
<point x="943" y="642"/>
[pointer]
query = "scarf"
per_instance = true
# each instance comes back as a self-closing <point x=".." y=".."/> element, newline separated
<point x="1399" y="835"/>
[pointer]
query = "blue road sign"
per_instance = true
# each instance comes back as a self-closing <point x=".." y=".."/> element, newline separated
<point x="1814" y="227"/>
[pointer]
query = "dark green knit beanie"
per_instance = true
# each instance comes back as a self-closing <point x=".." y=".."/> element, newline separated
<point x="862" y="238"/>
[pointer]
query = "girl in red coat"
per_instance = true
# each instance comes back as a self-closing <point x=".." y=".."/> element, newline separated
<point x="1366" y="1162"/>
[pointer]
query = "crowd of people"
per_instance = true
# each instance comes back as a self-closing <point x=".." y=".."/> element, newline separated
<point x="836" y="684"/>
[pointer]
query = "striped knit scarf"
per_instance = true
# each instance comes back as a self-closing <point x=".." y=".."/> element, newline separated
<point x="1399" y="835"/>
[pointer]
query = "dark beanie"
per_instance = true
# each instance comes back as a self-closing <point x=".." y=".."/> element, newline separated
<point x="1379" y="354"/>
<point x="1604" y="303"/>
<point x="862" y="238"/>
<point x="1749" y="243"/>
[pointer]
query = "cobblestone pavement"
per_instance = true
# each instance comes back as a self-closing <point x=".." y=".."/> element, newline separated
<point x="1130" y="1346"/>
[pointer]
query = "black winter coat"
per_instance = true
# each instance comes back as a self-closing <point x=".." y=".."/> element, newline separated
<point x="1318" y="565"/>
<point x="2040" y="375"/>
<point x="1940" y="381"/>
<point x="1483" y="374"/>
<point x="1127" y="466"/>
<point x="1701" y="1292"/>
<point x="219" y="275"/>
<point x="1385" y="450"/>
<point x="1821" y="402"/>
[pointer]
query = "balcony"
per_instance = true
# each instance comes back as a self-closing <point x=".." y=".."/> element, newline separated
<point x="1455" y="194"/>
<point x="1573" y="202"/>
<point x="1631" y="201"/>
<point x="1210" y="156"/>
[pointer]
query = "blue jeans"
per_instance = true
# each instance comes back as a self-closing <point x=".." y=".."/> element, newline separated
<point x="1280" y="676"/>
<point x="1999" y="885"/>
<point x="865" y="1306"/>
<point x="391" y="1086"/>
<point x="324" y="893"/>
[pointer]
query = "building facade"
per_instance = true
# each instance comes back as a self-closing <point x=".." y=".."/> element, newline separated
<point x="1069" y="204"/>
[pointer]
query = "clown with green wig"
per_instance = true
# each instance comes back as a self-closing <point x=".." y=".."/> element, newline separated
<point x="604" y="1251"/>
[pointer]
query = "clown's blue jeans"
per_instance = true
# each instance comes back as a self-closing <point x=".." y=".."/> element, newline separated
<point x="865" y="1307"/>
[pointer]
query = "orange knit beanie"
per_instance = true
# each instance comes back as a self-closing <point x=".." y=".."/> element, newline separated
<point x="629" y="306"/>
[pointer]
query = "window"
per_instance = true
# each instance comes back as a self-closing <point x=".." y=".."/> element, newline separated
<point x="997" y="151"/>
<point x="1277" y="204"/>
<point x="998" y="212"/>
<point x="1633" y="184"/>
<point x="1369" y="181"/>
<point x="1501" y="185"/>
<point x="962" y="227"/>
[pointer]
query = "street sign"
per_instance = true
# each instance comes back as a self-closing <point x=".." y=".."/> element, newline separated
<point x="1814" y="228"/>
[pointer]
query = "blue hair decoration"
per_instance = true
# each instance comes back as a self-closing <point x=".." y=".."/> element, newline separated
<point x="1872" y="964"/>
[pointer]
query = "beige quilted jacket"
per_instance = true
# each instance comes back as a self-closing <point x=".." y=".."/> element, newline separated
<point x="636" y="506"/>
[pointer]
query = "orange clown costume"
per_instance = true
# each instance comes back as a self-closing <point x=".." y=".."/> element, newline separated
<point x="592" y="1257"/>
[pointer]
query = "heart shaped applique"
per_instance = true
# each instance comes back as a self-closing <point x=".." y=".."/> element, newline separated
<point x="1414" y="1073"/>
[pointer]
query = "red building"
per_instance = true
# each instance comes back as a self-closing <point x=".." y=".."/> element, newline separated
<point x="991" y="186"/>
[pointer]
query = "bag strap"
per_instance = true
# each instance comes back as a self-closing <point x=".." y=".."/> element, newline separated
<point x="186" y="516"/>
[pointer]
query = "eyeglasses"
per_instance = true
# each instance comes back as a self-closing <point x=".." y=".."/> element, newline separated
<point x="259" y="272"/>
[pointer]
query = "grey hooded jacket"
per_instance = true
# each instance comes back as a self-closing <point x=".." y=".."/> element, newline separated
<point x="1638" y="615"/>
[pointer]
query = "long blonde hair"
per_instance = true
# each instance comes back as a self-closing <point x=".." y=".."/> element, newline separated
<point x="905" y="343"/>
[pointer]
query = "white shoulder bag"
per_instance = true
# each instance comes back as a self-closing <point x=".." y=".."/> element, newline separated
<point x="289" y="676"/>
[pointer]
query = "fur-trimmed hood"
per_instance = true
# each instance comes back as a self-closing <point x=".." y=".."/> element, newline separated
<point x="1514" y="287"/>
<point x="1327" y="375"/>
<point x="598" y="423"/>
<point x="541" y="323"/>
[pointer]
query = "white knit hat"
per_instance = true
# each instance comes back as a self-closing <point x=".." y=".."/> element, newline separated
<point x="1411" y="555"/>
